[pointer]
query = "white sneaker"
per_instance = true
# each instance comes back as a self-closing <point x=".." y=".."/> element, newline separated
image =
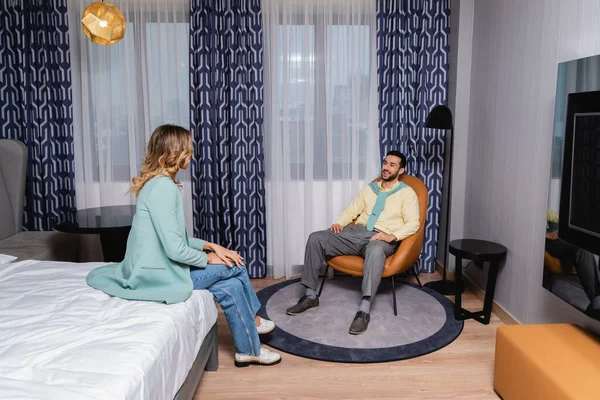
<point x="266" y="357"/>
<point x="265" y="326"/>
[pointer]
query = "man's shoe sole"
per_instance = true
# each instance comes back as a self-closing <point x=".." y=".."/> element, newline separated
<point x="356" y="333"/>
<point x="302" y="312"/>
<point x="242" y="364"/>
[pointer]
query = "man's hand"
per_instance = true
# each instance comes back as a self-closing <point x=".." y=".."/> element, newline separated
<point x="384" y="237"/>
<point x="336" y="228"/>
<point x="552" y="235"/>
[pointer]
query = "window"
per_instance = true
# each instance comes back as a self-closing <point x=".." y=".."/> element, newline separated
<point x="129" y="88"/>
<point x="324" y="95"/>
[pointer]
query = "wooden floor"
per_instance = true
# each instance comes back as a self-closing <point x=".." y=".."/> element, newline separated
<point x="462" y="370"/>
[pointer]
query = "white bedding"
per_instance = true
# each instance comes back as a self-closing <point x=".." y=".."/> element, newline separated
<point x="61" y="339"/>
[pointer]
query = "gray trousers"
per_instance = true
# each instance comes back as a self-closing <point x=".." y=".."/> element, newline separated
<point x="585" y="265"/>
<point x="589" y="275"/>
<point x="352" y="241"/>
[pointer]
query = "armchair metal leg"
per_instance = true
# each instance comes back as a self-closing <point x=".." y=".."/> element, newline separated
<point x="414" y="270"/>
<point x="323" y="280"/>
<point x="394" y="295"/>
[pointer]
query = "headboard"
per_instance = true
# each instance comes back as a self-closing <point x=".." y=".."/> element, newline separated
<point x="13" y="167"/>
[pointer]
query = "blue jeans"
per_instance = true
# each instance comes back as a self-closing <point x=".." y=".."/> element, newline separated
<point x="232" y="289"/>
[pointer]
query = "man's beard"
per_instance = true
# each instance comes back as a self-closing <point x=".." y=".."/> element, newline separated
<point x="391" y="177"/>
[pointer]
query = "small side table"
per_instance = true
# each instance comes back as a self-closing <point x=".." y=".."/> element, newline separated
<point x="112" y="223"/>
<point x="479" y="251"/>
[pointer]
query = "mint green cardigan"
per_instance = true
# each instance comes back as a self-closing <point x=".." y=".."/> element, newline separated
<point x="159" y="251"/>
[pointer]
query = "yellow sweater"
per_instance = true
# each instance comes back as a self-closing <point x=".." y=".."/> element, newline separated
<point x="400" y="216"/>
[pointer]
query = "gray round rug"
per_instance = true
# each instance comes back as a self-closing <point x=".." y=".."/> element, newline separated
<point x="425" y="322"/>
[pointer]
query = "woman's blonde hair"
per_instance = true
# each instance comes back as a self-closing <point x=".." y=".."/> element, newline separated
<point x="169" y="149"/>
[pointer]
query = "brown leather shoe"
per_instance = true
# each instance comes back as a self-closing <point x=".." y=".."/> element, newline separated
<point x="360" y="323"/>
<point x="305" y="303"/>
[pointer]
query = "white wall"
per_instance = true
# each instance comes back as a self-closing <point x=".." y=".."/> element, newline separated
<point x="516" y="48"/>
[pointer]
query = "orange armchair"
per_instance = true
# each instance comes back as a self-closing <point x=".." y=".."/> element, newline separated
<point x="552" y="264"/>
<point x="552" y="268"/>
<point x="405" y="256"/>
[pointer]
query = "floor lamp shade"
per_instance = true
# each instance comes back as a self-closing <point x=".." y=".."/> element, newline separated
<point x="440" y="117"/>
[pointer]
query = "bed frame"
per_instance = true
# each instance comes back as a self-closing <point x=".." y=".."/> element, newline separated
<point x="207" y="359"/>
<point x="13" y="157"/>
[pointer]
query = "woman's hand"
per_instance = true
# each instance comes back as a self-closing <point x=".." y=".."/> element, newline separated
<point x="213" y="258"/>
<point x="227" y="256"/>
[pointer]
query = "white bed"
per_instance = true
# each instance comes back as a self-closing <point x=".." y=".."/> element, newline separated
<point x="61" y="339"/>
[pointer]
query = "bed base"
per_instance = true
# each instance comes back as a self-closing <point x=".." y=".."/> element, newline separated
<point x="207" y="359"/>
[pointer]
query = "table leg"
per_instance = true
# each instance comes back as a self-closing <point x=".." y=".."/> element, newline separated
<point x="458" y="287"/>
<point x="489" y="291"/>
<point x="114" y="244"/>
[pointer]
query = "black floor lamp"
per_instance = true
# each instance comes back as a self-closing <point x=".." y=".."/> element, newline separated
<point x="441" y="118"/>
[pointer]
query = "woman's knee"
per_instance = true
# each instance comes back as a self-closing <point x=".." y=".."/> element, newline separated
<point x="241" y="271"/>
<point x="234" y="284"/>
<point x="225" y="290"/>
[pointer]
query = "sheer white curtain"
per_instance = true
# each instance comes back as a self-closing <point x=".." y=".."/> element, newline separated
<point x="122" y="92"/>
<point x="321" y="137"/>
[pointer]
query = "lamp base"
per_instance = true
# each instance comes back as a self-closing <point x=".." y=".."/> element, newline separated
<point x="443" y="287"/>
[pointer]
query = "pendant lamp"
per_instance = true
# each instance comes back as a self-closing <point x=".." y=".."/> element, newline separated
<point x="103" y="23"/>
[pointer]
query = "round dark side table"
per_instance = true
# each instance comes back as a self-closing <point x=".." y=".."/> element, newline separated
<point x="111" y="223"/>
<point x="479" y="251"/>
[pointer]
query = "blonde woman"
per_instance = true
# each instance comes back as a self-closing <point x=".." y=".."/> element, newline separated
<point x="163" y="264"/>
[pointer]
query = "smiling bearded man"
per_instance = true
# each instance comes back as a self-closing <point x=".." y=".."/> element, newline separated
<point x="386" y="212"/>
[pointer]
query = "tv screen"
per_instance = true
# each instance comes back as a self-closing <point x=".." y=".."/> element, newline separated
<point x="580" y="183"/>
<point x="572" y="245"/>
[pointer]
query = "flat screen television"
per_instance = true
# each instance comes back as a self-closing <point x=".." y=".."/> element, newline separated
<point x="580" y="184"/>
<point x="572" y="244"/>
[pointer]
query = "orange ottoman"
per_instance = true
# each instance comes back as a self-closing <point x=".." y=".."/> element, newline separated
<point x="555" y="361"/>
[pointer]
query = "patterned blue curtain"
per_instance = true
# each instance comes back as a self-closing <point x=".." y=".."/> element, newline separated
<point x="226" y="61"/>
<point x="35" y="99"/>
<point x="412" y="68"/>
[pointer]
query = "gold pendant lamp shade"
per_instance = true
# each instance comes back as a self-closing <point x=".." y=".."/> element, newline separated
<point x="103" y="23"/>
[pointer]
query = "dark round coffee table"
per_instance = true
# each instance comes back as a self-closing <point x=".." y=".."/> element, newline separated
<point x="479" y="251"/>
<point x="111" y="223"/>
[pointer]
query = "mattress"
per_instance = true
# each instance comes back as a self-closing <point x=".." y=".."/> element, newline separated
<point x="61" y="339"/>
